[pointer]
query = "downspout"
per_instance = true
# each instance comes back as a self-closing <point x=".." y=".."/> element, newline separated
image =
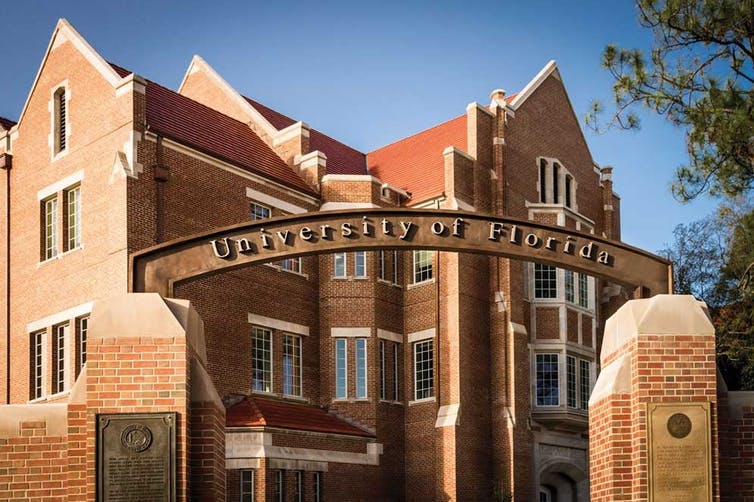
<point x="6" y="162"/>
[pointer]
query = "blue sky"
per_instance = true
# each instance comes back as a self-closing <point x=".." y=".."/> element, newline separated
<point x="369" y="73"/>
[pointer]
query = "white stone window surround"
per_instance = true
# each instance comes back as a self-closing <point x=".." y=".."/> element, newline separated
<point x="563" y="352"/>
<point x="278" y="324"/>
<point x="59" y="190"/>
<point x="427" y="269"/>
<point x="549" y="183"/>
<point x="412" y="339"/>
<point x="52" y="106"/>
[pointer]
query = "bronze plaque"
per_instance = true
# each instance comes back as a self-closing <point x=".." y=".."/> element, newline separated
<point x="680" y="461"/>
<point x="136" y="457"/>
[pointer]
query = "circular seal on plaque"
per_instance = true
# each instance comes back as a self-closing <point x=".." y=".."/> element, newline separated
<point x="136" y="437"/>
<point x="679" y="425"/>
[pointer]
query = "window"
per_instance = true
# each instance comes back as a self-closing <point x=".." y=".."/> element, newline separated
<point x="424" y="370"/>
<point x="341" y="372"/>
<point x="568" y="183"/>
<point x="585" y="383"/>
<point x="50" y="228"/>
<point x="292" y="365"/>
<point x="37" y="362"/>
<point x="279" y="486"/>
<point x="298" y="494"/>
<point x="395" y="371"/>
<point x="360" y="264"/>
<point x="247" y="485"/>
<point x="82" y="329"/>
<point x="291" y="264"/>
<point x="261" y="360"/>
<point x="259" y="212"/>
<point x="555" y="183"/>
<point x="340" y="265"/>
<point x="542" y="180"/>
<point x="547" y="380"/>
<point x="545" y="281"/>
<point x="382" y="272"/>
<point x="382" y="370"/>
<point x="60" y="335"/>
<point x="571" y="380"/>
<point x="395" y="267"/>
<point x="569" y="292"/>
<point x="73" y="217"/>
<point x="317" y="487"/>
<point x="61" y="120"/>
<point x="361" y="368"/>
<point x="584" y="291"/>
<point x="422" y="265"/>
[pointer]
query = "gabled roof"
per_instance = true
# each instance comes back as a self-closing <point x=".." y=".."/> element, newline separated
<point x="193" y="124"/>
<point x="341" y="158"/>
<point x="256" y="412"/>
<point x="6" y="124"/>
<point x="416" y="163"/>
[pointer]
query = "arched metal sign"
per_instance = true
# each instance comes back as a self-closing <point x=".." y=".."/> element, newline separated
<point x="159" y="268"/>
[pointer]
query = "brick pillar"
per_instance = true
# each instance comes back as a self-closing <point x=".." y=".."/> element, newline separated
<point x="607" y="200"/>
<point x="146" y="354"/>
<point x="657" y="351"/>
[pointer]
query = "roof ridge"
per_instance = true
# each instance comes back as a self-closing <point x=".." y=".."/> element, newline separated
<point x="416" y="134"/>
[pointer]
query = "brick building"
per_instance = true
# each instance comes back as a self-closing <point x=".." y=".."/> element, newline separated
<point x="386" y="375"/>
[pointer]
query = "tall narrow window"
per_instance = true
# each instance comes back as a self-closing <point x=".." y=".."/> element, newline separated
<point x="298" y="494"/>
<point x="569" y="291"/>
<point x="555" y="183"/>
<point x="261" y="359"/>
<point x="247" y="485"/>
<point x="291" y="264"/>
<point x="547" y="380"/>
<point x="317" y="487"/>
<point x="292" y="365"/>
<point x="360" y="264"/>
<point x="61" y="120"/>
<point x="585" y="383"/>
<point x="584" y="291"/>
<point x="545" y="281"/>
<point x="73" y="215"/>
<point x="423" y="265"/>
<point x="279" y="486"/>
<point x="37" y="362"/>
<point x="50" y="228"/>
<point x="396" y="347"/>
<point x="58" y="380"/>
<point x="395" y="267"/>
<point x="542" y="180"/>
<point x="259" y="212"/>
<point x="382" y="369"/>
<point x="341" y="369"/>
<point x="382" y="264"/>
<point x="82" y="329"/>
<point x="339" y="265"/>
<point x="361" y="368"/>
<point x="568" y="195"/>
<point x="571" y="380"/>
<point x="424" y="370"/>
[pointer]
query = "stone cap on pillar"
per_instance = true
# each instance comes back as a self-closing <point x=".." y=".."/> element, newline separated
<point x="659" y="315"/>
<point x="131" y="315"/>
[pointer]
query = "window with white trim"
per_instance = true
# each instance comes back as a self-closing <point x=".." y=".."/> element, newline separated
<point x="555" y="184"/>
<point x="73" y="217"/>
<point x="547" y="381"/>
<point x="545" y="281"/>
<point x="60" y="120"/>
<point x="261" y="359"/>
<point x="584" y="291"/>
<point x="339" y="265"/>
<point x="396" y="357"/>
<point x="82" y="328"/>
<point x="298" y="485"/>
<point x="259" y="212"/>
<point x="37" y="364"/>
<point x="247" y="485"/>
<point x="424" y="370"/>
<point x="395" y="267"/>
<point x="382" y="272"/>
<point x="341" y="368"/>
<point x="423" y="265"/>
<point x="60" y="337"/>
<point x="291" y="365"/>
<point x="585" y="383"/>
<point x="571" y="381"/>
<point x="569" y="286"/>
<point x="361" y="368"/>
<point x="360" y="264"/>
<point x="49" y="228"/>
<point x="279" y="495"/>
<point x="318" y="489"/>
<point x="382" y="370"/>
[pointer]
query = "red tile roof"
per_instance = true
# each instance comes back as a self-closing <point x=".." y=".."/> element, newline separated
<point x="256" y="412"/>
<point x="6" y="123"/>
<point x="416" y="163"/>
<point x="341" y="159"/>
<point x="191" y="123"/>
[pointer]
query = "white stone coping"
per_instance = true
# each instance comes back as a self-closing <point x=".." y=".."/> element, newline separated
<point x="273" y="201"/>
<point x="363" y="332"/>
<point x="418" y="336"/>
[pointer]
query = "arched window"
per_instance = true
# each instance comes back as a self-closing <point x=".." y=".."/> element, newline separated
<point x="61" y="118"/>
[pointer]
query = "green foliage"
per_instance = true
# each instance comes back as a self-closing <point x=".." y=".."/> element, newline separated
<point x="700" y="76"/>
